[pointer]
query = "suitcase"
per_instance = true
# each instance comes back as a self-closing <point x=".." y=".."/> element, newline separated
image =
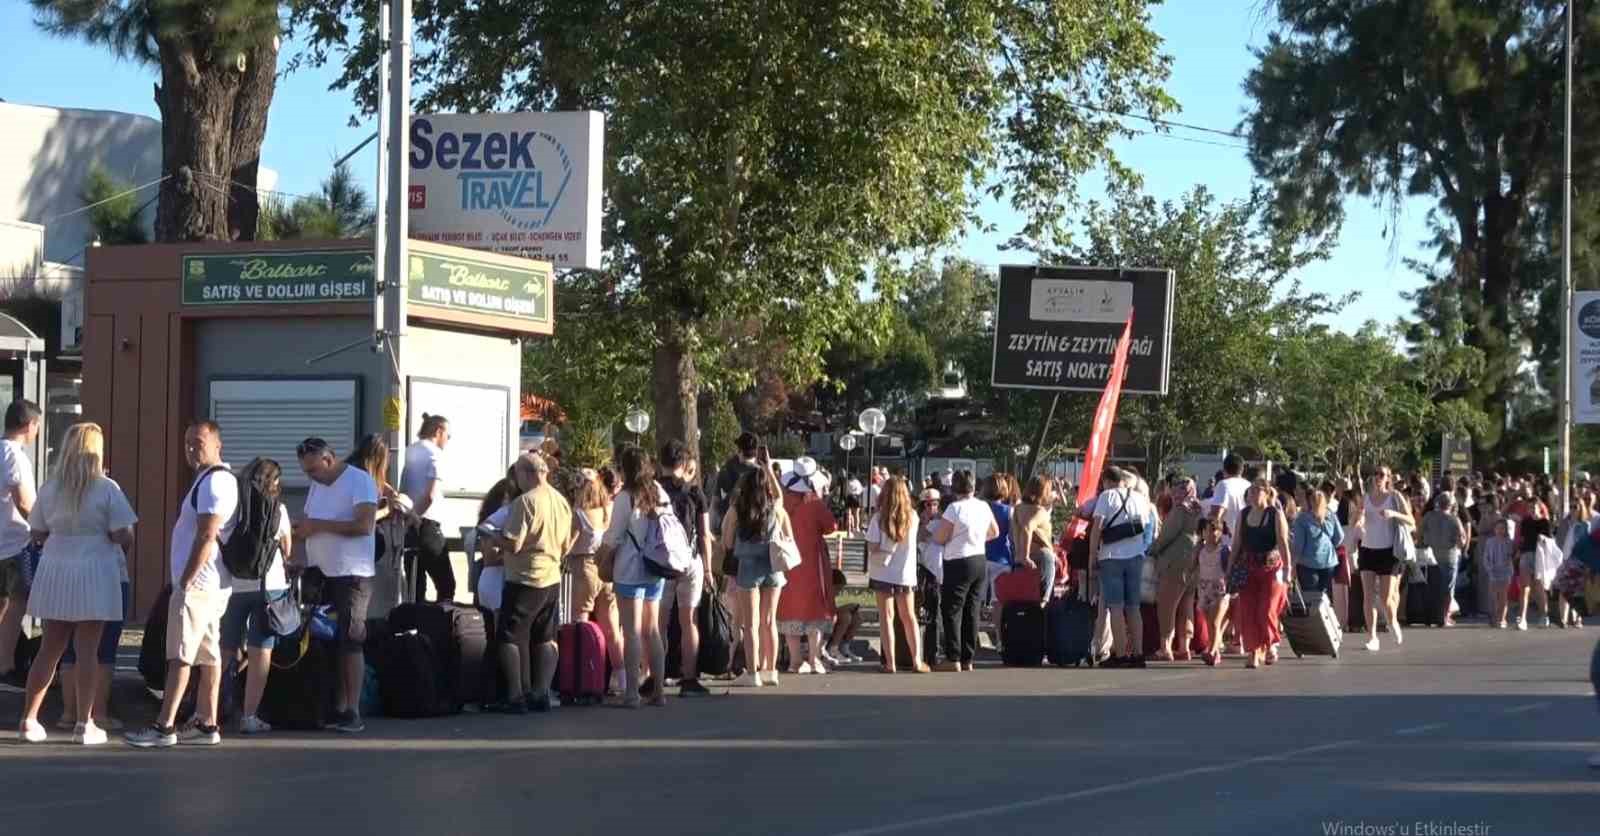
<point x="583" y="667"/>
<point x="928" y="608"/>
<point x="1201" y="643"/>
<point x="716" y="636"/>
<point x="1069" y="630"/>
<point x="460" y="641"/>
<point x="1018" y="585"/>
<point x="1310" y="625"/>
<point x="1358" y="606"/>
<point x="299" y="694"/>
<point x="412" y="680"/>
<point x="903" y="660"/>
<point x="1418" y="604"/>
<point x="153" y="648"/>
<point x="1022" y="634"/>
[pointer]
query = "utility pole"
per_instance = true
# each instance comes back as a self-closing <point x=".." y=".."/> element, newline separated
<point x="394" y="115"/>
<point x="1566" y="280"/>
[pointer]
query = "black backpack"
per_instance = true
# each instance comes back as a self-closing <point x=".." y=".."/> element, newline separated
<point x="249" y="551"/>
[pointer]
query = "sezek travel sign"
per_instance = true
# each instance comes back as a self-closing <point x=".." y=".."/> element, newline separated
<point x="1586" y="357"/>
<point x="1056" y="328"/>
<point x="523" y="183"/>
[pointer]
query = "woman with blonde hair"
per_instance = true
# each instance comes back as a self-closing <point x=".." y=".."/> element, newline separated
<point x="892" y="570"/>
<point x="1261" y="549"/>
<point x="594" y="599"/>
<point x="1031" y="535"/>
<point x="85" y="522"/>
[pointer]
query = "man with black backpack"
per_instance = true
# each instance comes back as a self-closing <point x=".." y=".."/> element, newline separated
<point x="689" y="505"/>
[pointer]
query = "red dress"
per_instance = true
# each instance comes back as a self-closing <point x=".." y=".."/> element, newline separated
<point x="1264" y="595"/>
<point x="808" y="593"/>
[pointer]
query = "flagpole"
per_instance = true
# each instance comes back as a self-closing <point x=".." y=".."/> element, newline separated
<point x="1566" y="280"/>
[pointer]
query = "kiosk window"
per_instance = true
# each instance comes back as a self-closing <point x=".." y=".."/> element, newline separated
<point x="267" y="418"/>
<point x="480" y="431"/>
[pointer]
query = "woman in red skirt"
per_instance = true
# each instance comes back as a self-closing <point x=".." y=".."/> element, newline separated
<point x="1259" y="551"/>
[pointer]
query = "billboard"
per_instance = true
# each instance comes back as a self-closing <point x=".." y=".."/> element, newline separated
<point x="1056" y="328"/>
<point x="1586" y="357"/>
<point x="1455" y="455"/>
<point x="523" y="183"/>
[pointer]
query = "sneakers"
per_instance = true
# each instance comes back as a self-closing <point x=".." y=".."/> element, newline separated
<point x="1372" y="645"/>
<point x="851" y="657"/>
<point x="1399" y="637"/>
<point x="832" y="658"/>
<point x="693" y="688"/>
<point x="89" y="735"/>
<point x="254" y="725"/>
<point x="771" y="679"/>
<point x="544" y="703"/>
<point x="804" y="669"/>
<point x="198" y="735"/>
<point x="32" y="732"/>
<point x="152" y="737"/>
<point x="349" y="722"/>
<point x="748" y="679"/>
<point x="1522" y="624"/>
<point x="948" y="667"/>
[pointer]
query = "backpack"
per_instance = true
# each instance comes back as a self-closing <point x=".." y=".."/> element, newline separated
<point x="665" y="548"/>
<point x="249" y="550"/>
<point x="683" y="508"/>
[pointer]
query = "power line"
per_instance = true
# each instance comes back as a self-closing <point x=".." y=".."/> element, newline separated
<point x="1170" y="123"/>
<point x="1194" y="140"/>
<point x="139" y="188"/>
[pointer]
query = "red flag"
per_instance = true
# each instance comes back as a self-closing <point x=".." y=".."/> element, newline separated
<point x="1105" y="415"/>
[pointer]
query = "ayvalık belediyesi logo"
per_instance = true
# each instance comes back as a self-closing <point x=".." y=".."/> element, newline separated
<point x="520" y="176"/>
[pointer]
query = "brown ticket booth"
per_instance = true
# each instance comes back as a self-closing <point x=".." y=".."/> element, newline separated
<point x="273" y="341"/>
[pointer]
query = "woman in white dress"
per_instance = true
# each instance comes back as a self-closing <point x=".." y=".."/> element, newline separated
<point x="85" y="522"/>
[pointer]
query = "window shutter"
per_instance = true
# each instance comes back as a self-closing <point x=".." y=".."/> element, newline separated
<point x="269" y="418"/>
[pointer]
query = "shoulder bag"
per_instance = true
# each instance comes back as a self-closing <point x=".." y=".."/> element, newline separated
<point x="781" y="548"/>
<point x="1405" y="548"/>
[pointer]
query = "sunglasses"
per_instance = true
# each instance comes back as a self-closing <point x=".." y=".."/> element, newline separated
<point x="310" y="447"/>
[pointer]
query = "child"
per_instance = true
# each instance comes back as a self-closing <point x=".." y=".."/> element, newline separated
<point x="1499" y="564"/>
<point x="1213" y="587"/>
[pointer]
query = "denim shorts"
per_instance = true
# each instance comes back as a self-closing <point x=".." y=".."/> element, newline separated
<point x="755" y="572"/>
<point x="1121" y="582"/>
<point x="110" y="638"/>
<point x="639" y="591"/>
<point x="244" y="623"/>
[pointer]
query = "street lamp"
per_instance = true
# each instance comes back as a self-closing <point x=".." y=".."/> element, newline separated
<point x="872" y="422"/>
<point x="637" y="422"/>
<point x="847" y="443"/>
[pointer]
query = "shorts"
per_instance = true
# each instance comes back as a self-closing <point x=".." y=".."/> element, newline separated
<point x="244" y="623"/>
<point x="687" y="589"/>
<point x="1212" y="592"/>
<point x="110" y="639"/>
<point x="800" y="628"/>
<point x="755" y="572"/>
<point x="884" y="586"/>
<point x="1121" y="582"/>
<point x="11" y="585"/>
<point x="194" y="626"/>
<point x="588" y="591"/>
<point x="852" y="503"/>
<point x="350" y="597"/>
<point x="529" y="612"/>
<point x="1378" y="561"/>
<point x="1526" y="563"/>
<point x="639" y="591"/>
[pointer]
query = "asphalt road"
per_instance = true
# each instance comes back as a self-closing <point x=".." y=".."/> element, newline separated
<point x="1482" y="730"/>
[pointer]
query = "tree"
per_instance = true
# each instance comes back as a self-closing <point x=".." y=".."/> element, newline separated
<point x="1456" y="99"/>
<point x="218" y="63"/>
<point x="114" y="210"/>
<point x="760" y="152"/>
<point x="890" y="369"/>
<point x="341" y="210"/>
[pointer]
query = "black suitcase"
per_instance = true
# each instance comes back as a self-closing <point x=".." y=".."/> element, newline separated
<point x="460" y="642"/>
<point x="153" y="648"/>
<point x="300" y="691"/>
<point x="1022" y="634"/>
<point x="928" y="609"/>
<point x="1356" y="615"/>
<point x="716" y="636"/>
<point x="1069" y="631"/>
<point x="1419" y="604"/>
<point x="411" y="676"/>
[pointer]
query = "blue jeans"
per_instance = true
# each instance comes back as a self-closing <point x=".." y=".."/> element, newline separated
<point x="1121" y="582"/>
<point x="245" y="621"/>
<point x="110" y="638"/>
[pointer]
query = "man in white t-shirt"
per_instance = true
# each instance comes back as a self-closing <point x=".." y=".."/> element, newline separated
<point x="1116" y="555"/>
<point x="423" y="482"/>
<point x="338" y="528"/>
<point x="200" y="589"/>
<point x="16" y="501"/>
<point x="1227" y="499"/>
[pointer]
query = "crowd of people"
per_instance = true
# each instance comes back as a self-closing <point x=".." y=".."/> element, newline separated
<point x="1217" y="566"/>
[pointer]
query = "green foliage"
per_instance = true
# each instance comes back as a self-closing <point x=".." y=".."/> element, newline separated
<point x="719" y="431"/>
<point x="342" y="209"/>
<point x="1455" y="99"/>
<point x="760" y="152"/>
<point x="786" y="446"/>
<point x="133" y="29"/>
<point x="114" y="216"/>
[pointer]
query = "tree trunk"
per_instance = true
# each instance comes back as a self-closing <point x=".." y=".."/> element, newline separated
<point x="213" y="121"/>
<point x="676" y="386"/>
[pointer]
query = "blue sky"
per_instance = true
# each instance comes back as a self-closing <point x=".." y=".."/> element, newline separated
<point x="1209" y="41"/>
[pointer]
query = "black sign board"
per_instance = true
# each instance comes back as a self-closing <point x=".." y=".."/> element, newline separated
<point x="1056" y="328"/>
<point x="1455" y="456"/>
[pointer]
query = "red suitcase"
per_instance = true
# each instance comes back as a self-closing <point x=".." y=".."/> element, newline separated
<point x="1018" y="585"/>
<point x="583" y="667"/>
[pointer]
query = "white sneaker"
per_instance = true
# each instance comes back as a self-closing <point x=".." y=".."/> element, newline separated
<point x="819" y="668"/>
<point x="32" y="732"/>
<point x="89" y="735"/>
<point x="850" y="656"/>
<point x="771" y="678"/>
<point x="254" y="725"/>
<point x="1399" y="638"/>
<point x="831" y="659"/>
<point x="195" y="736"/>
<point x="805" y="668"/>
<point x="1522" y="624"/>
<point x="748" y="679"/>
<point x="1372" y="645"/>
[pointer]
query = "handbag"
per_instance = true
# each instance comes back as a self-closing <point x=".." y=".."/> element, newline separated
<point x="605" y="564"/>
<point x="783" y="551"/>
<point x="283" y="612"/>
<point x="1238" y="575"/>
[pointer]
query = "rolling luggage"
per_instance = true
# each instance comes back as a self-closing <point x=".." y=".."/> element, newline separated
<point x="460" y="641"/>
<point x="583" y="667"/>
<point x="1418" y="604"/>
<point x="715" y="625"/>
<point x="299" y="694"/>
<point x="1022" y="634"/>
<point x="1018" y="585"/>
<point x="903" y="660"/>
<point x="412" y="680"/>
<point x="1069" y="630"/>
<point x="1310" y="625"/>
<point x="1358" y="606"/>
<point x="153" y="648"/>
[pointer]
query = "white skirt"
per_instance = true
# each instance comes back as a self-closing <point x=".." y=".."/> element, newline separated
<point x="79" y="579"/>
